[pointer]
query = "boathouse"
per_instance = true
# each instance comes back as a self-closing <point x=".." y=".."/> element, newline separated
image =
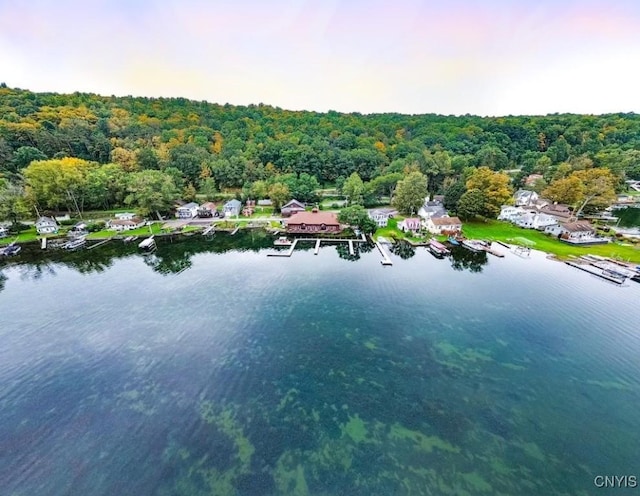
<point x="313" y="222"/>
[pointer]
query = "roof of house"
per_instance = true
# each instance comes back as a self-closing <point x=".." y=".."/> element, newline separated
<point x="327" y="218"/>
<point x="126" y="222"/>
<point x="209" y="206"/>
<point x="233" y="203"/>
<point x="265" y="203"/>
<point x="46" y="220"/>
<point x="188" y="206"/>
<point x="577" y="226"/>
<point x="383" y="211"/>
<point x="412" y="221"/>
<point x="446" y="221"/>
<point x="293" y="203"/>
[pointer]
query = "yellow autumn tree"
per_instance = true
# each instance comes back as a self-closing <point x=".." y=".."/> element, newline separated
<point x="495" y="186"/>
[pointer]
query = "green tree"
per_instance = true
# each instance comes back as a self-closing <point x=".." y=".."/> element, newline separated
<point x="151" y="191"/>
<point x="386" y="184"/>
<point x="453" y="193"/>
<point x="208" y="188"/>
<point x="279" y="194"/>
<point x="12" y="205"/>
<point x="495" y="186"/>
<point x="471" y="204"/>
<point x="357" y="216"/>
<point x="597" y="188"/>
<point x="24" y="155"/>
<point x="353" y="189"/>
<point x="410" y="193"/>
<point x="189" y="193"/>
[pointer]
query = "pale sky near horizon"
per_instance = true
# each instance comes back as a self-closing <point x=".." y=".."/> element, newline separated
<point x="484" y="57"/>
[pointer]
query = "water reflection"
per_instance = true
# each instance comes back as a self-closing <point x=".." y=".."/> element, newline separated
<point x="464" y="259"/>
<point x="403" y="249"/>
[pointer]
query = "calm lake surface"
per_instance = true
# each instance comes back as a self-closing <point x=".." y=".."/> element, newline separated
<point x="203" y="370"/>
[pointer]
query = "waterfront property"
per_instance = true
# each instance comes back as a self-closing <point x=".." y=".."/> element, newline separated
<point x="410" y="224"/>
<point x="575" y="233"/>
<point x="125" y="215"/>
<point x="291" y="208"/>
<point x="431" y="208"/>
<point x="207" y="210"/>
<point x="187" y="211"/>
<point x="444" y="225"/>
<point x="249" y="208"/>
<point x="313" y="222"/>
<point x="232" y="208"/>
<point x="125" y="224"/>
<point x="46" y="225"/>
<point x="381" y="216"/>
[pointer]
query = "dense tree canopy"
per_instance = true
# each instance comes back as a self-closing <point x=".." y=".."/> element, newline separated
<point x="208" y="147"/>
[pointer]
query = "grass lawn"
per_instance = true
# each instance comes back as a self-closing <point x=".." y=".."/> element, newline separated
<point x="25" y="236"/>
<point x="502" y="231"/>
<point x="392" y="232"/>
<point x="156" y="228"/>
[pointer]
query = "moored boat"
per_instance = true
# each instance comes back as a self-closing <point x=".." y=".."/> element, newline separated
<point x="474" y="245"/>
<point x="147" y="244"/>
<point x="283" y="241"/>
<point x="437" y="248"/>
<point x="10" y="250"/>
<point x="75" y="244"/>
<point x="453" y="241"/>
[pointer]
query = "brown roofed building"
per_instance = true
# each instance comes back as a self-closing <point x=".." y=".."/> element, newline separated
<point x="443" y="225"/>
<point x="313" y="222"/>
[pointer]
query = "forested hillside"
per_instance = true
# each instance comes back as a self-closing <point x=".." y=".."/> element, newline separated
<point x="131" y="149"/>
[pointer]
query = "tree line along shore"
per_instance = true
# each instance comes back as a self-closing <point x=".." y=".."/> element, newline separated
<point x="84" y="152"/>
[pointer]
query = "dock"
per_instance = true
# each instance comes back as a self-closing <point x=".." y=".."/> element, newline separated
<point x="235" y="231"/>
<point x="43" y="244"/>
<point x="504" y="245"/>
<point x="596" y="272"/>
<point x="385" y="257"/>
<point x="105" y="241"/>
<point x="287" y="253"/>
<point x="351" y="252"/>
<point x="493" y="252"/>
<point x="317" y="248"/>
<point x="208" y="230"/>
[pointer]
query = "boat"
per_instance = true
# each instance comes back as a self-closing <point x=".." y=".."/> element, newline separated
<point x="75" y="244"/>
<point x="474" y="245"/>
<point x="283" y="241"/>
<point x="10" y="250"/>
<point x="130" y="239"/>
<point x="147" y="244"/>
<point x="453" y="241"/>
<point x="437" y="248"/>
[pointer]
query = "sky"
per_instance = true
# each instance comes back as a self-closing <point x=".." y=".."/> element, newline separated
<point x="452" y="57"/>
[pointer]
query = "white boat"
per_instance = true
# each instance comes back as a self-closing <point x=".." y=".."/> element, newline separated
<point x="75" y="244"/>
<point x="283" y="241"/>
<point x="147" y="244"/>
<point x="474" y="245"/>
<point x="10" y="250"/>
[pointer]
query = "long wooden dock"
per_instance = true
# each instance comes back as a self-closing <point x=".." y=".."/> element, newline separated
<point x="385" y="257"/>
<point x="100" y="243"/>
<point x="351" y="252"/>
<point x="317" y="248"/>
<point x="287" y="253"/>
<point x="208" y="230"/>
<point x="596" y="272"/>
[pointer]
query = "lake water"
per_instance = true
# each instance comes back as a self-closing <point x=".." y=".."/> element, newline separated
<point x="208" y="371"/>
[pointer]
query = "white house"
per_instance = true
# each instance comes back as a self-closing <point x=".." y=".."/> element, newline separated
<point x="187" y="211"/>
<point x="525" y="197"/>
<point x="534" y="220"/>
<point x="381" y="216"/>
<point x="571" y="230"/>
<point x="125" y="224"/>
<point x="3" y="232"/>
<point x="46" y="225"/>
<point x="432" y="208"/>
<point x="291" y="208"/>
<point x="412" y="224"/>
<point x="125" y="216"/>
<point x="511" y="213"/>
<point x="232" y="208"/>
<point x="443" y="225"/>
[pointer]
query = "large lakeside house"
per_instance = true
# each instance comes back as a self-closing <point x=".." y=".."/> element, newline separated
<point x="187" y="211"/>
<point x="46" y="225"/>
<point x="291" y="208"/>
<point x="443" y="225"/>
<point x="313" y="222"/>
<point x="381" y="216"/>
